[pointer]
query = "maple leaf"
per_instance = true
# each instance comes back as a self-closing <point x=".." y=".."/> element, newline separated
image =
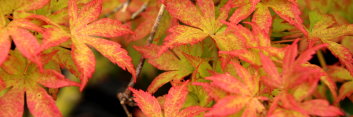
<point x="23" y="78"/>
<point x="143" y="29"/>
<point x="213" y="91"/>
<point x="244" y="93"/>
<point x="18" y="29"/>
<point x="19" y="9"/>
<point x="262" y="17"/>
<point x="291" y="64"/>
<point x="252" y="42"/>
<point x="295" y="72"/>
<point x="290" y="106"/>
<point x="33" y="5"/>
<point x="286" y="9"/>
<point x="289" y="11"/>
<point x="320" y="107"/>
<point x="200" y="22"/>
<point x="244" y="11"/>
<point x="324" y="28"/>
<point x="84" y="31"/>
<point x="341" y="74"/>
<point x="62" y="58"/>
<point x="24" y="40"/>
<point x="177" y="65"/>
<point x="173" y="103"/>
<point x="147" y="103"/>
<point x="297" y="75"/>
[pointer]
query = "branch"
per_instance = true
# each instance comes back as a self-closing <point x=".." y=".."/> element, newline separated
<point x="138" y="12"/>
<point x="125" y="97"/>
<point x="120" y="7"/>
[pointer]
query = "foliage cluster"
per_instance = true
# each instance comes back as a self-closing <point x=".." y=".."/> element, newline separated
<point x="222" y="57"/>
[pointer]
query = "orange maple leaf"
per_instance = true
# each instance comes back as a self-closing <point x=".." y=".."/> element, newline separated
<point x="201" y="22"/>
<point x="243" y="91"/>
<point x="25" y="41"/>
<point x="23" y="78"/>
<point x="84" y="31"/>
<point x="172" y="106"/>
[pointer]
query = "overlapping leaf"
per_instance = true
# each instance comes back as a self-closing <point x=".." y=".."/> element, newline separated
<point x="289" y="11"/>
<point x="251" y="43"/>
<point x="286" y="9"/>
<point x="244" y="10"/>
<point x="149" y="16"/>
<point x="323" y="27"/>
<point x="297" y="74"/>
<point x="18" y="31"/>
<point x="172" y="106"/>
<point x="147" y="103"/>
<point x="19" y="8"/>
<point x="23" y="78"/>
<point x="290" y="65"/>
<point x="176" y="63"/>
<point x="201" y="21"/>
<point x="342" y="75"/>
<point x="243" y="93"/>
<point x="292" y="107"/>
<point x="290" y="84"/>
<point x="321" y="107"/>
<point x="84" y="31"/>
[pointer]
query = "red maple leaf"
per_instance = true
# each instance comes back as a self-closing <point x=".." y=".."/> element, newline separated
<point x="243" y="93"/>
<point x="297" y="75"/>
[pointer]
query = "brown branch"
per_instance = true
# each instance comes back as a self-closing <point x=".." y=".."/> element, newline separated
<point x="138" y="12"/>
<point x="125" y="97"/>
<point x="120" y="7"/>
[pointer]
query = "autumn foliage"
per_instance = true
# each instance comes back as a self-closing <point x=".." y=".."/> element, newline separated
<point x="245" y="58"/>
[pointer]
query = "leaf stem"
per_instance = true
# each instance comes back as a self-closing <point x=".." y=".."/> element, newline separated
<point x="26" y="68"/>
<point x="125" y="97"/>
<point x="322" y="61"/>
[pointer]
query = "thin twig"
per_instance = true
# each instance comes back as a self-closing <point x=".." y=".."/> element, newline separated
<point x="125" y="97"/>
<point x="322" y="61"/>
<point x="138" y="12"/>
<point x="122" y="6"/>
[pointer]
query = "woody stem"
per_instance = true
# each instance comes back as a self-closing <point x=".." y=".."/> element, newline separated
<point x="125" y="97"/>
<point x="122" y="6"/>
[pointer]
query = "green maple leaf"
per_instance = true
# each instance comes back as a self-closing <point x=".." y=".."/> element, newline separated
<point x="179" y="63"/>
